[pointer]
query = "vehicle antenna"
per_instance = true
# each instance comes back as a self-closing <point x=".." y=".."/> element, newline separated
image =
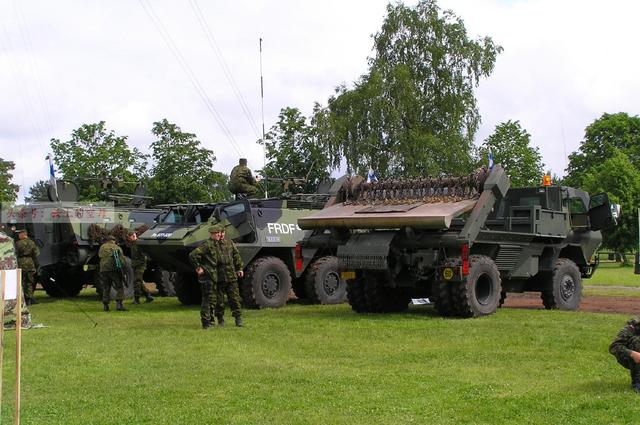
<point x="264" y="143"/>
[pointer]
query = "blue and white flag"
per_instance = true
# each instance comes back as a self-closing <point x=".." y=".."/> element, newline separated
<point x="490" y="160"/>
<point x="371" y="177"/>
<point x="52" y="175"/>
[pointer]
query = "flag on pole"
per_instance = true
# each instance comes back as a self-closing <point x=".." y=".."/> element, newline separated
<point x="52" y="175"/>
<point x="490" y="160"/>
<point x="371" y="176"/>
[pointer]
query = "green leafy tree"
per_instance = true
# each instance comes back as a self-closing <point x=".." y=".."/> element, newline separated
<point x="620" y="178"/>
<point x="603" y="138"/>
<point x="97" y="161"/>
<point x="415" y="111"/>
<point x="292" y="150"/>
<point x="182" y="170"/>
<point x="38" y="192"/>
<point x="8" y="190"/>
<point x="511" y="147"/>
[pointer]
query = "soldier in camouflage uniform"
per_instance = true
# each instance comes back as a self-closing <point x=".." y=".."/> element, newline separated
<point x="139" y="264"/>
<point x="27" y="252"/>
<point x="626" y="348"/>
<point x="219" y="260"/>
<point x="241" y="181"/>
<point x="110" y="274"/>
<point x="8" y="261"/>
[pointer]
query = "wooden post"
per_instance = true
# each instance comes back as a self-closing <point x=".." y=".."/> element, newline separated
<point x="16" y="412"/>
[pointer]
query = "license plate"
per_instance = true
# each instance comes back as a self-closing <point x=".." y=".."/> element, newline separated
<point x="347" y="275"/>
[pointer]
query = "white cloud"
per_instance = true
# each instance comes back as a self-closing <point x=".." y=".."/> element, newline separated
<point x="67" y="63"/>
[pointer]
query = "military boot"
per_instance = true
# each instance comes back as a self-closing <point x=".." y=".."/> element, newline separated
<point x="120" y="306"/>
<point x="105" y="306"/>
<point x="148" y="298"/>
<point x="206" y="325"/>
<point x="239" y="322"/>
<point x="136" y="300"/>
<point x="220" y="321"/>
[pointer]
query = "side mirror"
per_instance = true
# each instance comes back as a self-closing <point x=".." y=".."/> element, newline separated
<point x="603" y="214"/>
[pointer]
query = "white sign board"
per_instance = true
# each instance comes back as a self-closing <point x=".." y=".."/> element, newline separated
<point x="10" y="278"/>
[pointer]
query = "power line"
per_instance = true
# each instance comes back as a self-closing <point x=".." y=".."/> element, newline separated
<point x="157" y="22"/>
<point x="221" y="61"/>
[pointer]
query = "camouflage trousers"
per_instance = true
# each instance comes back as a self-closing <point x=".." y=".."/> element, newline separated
<point x="209" y="300"/>
<point x="109" y="279"/>
<point x="248" y="189"/>
<point x="230" y="289"/>
<point x="139" y="290"/>
<point x="28" y="282"/>
<point x="628" y="363"/>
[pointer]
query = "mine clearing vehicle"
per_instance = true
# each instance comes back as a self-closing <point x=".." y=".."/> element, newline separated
<point x="462" y="242"/>
<point x="265" y="233"/>
<point x="62" y="230"/>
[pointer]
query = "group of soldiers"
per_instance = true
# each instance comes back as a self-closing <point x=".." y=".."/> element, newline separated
<point x="217" y="263"/>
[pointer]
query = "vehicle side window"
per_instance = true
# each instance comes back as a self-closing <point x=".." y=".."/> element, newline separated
<point x="576" y="206"/>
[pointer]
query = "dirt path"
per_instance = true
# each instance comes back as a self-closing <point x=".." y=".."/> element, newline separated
<point x="594" y="304"/>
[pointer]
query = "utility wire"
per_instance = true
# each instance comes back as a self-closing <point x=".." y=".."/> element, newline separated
<point x="146" y="5"/>
<point x="221" y="61"/>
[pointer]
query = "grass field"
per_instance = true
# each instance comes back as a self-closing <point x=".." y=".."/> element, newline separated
<point x="612" y="274"/>
<point x="306" y="364"/>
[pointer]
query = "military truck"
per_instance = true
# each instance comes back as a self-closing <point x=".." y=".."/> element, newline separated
<point x="463" y="242"/>
<point x="62" y="231"/>
<point x="265" y="232"/>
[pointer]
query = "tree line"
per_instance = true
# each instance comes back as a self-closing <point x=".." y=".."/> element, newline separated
<point x="412" y="113"/>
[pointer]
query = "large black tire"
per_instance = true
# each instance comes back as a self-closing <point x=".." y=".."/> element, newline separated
<point x="503" y="297"/>
<point x="382" y="298"/>
<point x="61" y="281"/>
<point x="479" y="294"/>
<point x="187" y="288"/>
<point x="566" y="290"/>
<point x="356" y="296"/>
<point x="443" y="297"/>
<point x="323" y="284"/>
<point x="266" y="284"/>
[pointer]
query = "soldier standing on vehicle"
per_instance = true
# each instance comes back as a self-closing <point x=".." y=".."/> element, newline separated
<point x="218" y="260"/>
<point x="111" y="272"/>
<point x="626" y="349"/>
<point x="241" y="181"/>
<point x="27" y="252"/>
<point x="139" y="265"/>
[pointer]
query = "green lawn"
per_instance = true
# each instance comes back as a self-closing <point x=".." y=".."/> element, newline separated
<point x="612" y="274"/>
<point x="307" y="364"/>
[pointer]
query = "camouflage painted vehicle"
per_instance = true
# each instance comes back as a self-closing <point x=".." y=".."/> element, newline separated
<point x="67" y="235"/>
<point x="463" y="242"/>
<point x="266" y="235"/>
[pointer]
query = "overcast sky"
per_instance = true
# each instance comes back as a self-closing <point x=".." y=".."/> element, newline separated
<point x="130" y="63"/>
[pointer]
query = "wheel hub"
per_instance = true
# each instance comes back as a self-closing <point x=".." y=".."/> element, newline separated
<point x="270" y="285"/>
<point x="567" y="287"/>
<point x="484" y="289"/>
<point x="331" y="283"/>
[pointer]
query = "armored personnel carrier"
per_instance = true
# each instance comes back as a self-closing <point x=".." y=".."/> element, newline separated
<point x="62" y="230"/>
<point x="265" y="233"/>
<point x="464" y="242"/>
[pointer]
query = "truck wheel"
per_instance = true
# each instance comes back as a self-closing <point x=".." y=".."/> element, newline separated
<point x="443" y="297"/>
<point x="479" y="293"/>
<point x="187" y="288"/>
<point x="566" y="291"/>
<point x="381" y="298"/>
<point x="59" y="282"/>
<point x="323" y="284"/>
<point x="355" y="295"/>
<point x="267" y="283"/>
<point x="503" y="297"/>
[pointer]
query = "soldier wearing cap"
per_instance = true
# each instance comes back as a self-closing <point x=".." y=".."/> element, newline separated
<point x="27" y="253"/>
<point x="241" y="181"/>
<point x="110" y="255"/>
<point x="139" y="265"/>
<point x="218" y="265"/>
